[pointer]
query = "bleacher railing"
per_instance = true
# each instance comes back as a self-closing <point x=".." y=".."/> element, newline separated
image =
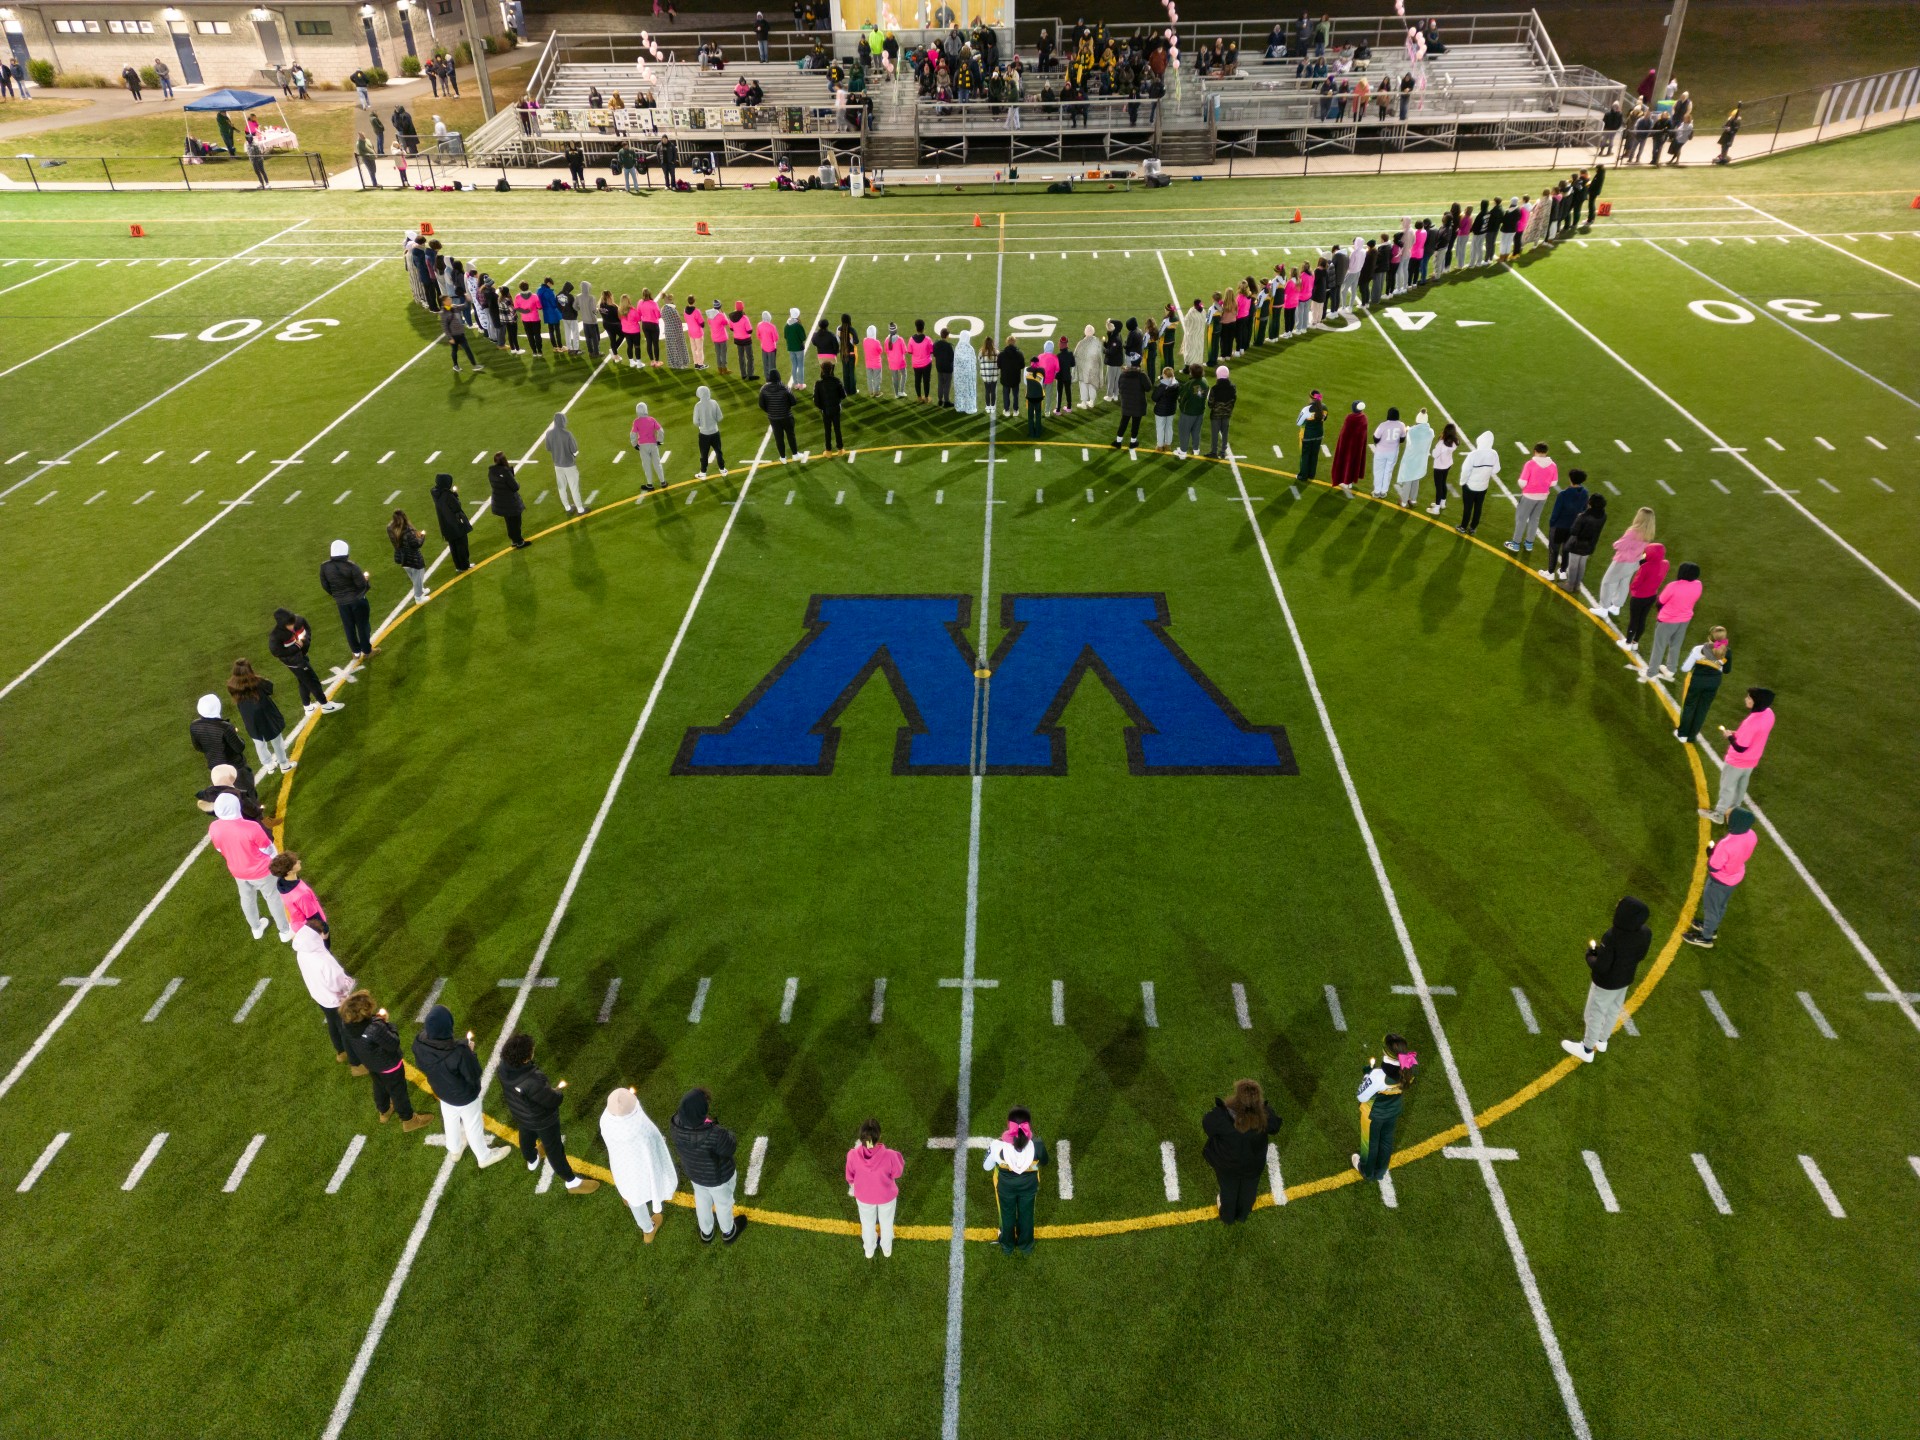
<point x="1824" y="112"/>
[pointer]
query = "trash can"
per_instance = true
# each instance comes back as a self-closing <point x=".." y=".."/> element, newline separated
<point x="456" y="147"/>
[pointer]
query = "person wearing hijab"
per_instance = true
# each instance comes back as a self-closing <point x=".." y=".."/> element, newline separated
<point x="1220" y="402"/>
<point x="454" y="524"/>
<point x="1063" y="376"/>
<point x="506" y="502"/>
<point x="215" y="737"/>
<point x="1113" y="357"/>
<point x="1726" y="868"/>
<point x="706" y="1149"/>
<point x="1049" y="362"/>
<point x="1413" y="459"/>
<point x="1350" y="449"/>
<point x="873" y="359"/>
<point x="453" y="1074"/>
<point x="347" y="585"/>
<point x="646" y="435"/>
<point x="706" y="429"/>
<point x="637" y="1154"/>
<point x="248" y="850"/>
<point x="1477" y="472"/>
<point x="873" y="1178"/>
<point x="741" y="329"/>
<point x="966" y="377"/>
<point x="1388" y="436"/>
<point x="897" y="360"/>
<point x="717" y="328"/>
<point x="1745" y="746"/>
<point x="1611" y="961"/>
<point x="768" y="334"/>
<point x="1015" y="1161"/>
<point x="795" y="335"/>
<point x="1312" y="425"/>
<point x="564" y="447"/>
<point x="1088" y="358"/>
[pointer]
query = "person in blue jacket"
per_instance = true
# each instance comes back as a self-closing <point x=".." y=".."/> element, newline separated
<point x="550" y="311"/>
<point x="1568" y="506"/>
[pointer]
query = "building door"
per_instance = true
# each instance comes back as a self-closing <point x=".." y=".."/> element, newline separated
<point x="373" y="45"/>
<point x="269" y="35"/>
<point x="17" y="42"/>
<point x="183" y="48"/>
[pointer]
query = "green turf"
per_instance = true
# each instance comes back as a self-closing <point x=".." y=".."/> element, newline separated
<point x="1515" y="779"/>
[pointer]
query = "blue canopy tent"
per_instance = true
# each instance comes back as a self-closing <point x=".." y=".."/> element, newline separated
<point x="223" y="101"/>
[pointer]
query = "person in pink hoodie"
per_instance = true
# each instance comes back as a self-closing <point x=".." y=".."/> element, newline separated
<point x="649" y="312"/>
<point x="697" y="333"/>
<point x="1642" y="591"/>
<point x="1745" y="745"/>
<point x="873" y="1179"/>
<point x="1726" y="868"/>
<point x="1677" y="601"/>
<point x="296" y="895"/>
<point x="873" y="356"/>
<point x="248" y="850"/>
<point x="920" y="351"/>
<point x="742" y="329"/>
<point x="897" y="360"/>
<point x="1537" y="479"/>
<point x="768" y="334"/>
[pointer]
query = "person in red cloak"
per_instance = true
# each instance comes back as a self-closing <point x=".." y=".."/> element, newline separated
<point x="1350" y="450"/>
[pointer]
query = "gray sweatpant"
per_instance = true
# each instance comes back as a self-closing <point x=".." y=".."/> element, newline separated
<point x="713" y="1205"/>
<point x="1603" y="1009"/>
<point x="1669" y="638"/>
<point x="1713" y="907"/>
<point x="1219" y="442"/>
<point x="1576" y="573"/>
<point x="1189" y="440"/>
<point x="252" y="892"/>
<point x="1613" y="584"/>
<point x="1734" y="780"/>
<point x="1526" y="518"/>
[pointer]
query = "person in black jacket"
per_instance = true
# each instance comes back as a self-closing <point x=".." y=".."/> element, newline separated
<point x="452" y="515"/>
<point x="288" y="642"/>
<point x="705" y="1148"/>
<point x="224" y="780"/>
<point x="253" y="697"/>
<point x="943" y="368"/>
<point x="534" y="1103"/>
<point x="215" y="738"/>
<point x="1166" y="407"/>
<point x="1581" y="542"/>
<point x="1220" y="402"/>
<point x="373" y="1042"/>
<point x="828" y="396"/>
<point x="347" y="584"/>
<point x="777" y="400"/>
<point x="1236" y="1147"/>
<point x="1133" y="403"/>
<point x="507" y="503"/>
<point x="1013" y="367"/>
<point x="1612" y="958"/>
<point x="406" y="542"/>
<point x="453" y="1070"/>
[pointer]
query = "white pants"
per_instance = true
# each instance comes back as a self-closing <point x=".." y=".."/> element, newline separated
<point x="1089" y="393"/>
<point x="272" y="752"/>
<point x="570" y="333"/>
<point x="1613" y="584"/>
<point x="713" y="1205"/>
<point x="1384" y="462"/>
<point x="1163" y="430"/>
<point x="467" y="1127"/>
<point x="877" y="1218"/>
<point x="567" y="477"/>
<point x="251" y="892"/>
<point x="650" y="466"/>
<point x="643" y="1217"/>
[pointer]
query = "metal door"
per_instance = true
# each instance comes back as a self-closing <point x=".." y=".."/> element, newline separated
<point x="269" y="34"/>
<point x="183" y="48"/>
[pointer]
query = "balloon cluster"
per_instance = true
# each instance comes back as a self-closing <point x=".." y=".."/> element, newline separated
<point x="1173" y="34"/>
<point x="648" y="47"/>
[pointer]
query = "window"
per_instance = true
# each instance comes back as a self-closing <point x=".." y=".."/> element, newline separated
<point x="446" y="7"/>
<point x="146" y="27"/>
<point x="93" y="26"/>
<point x="213" y="27"/>
<point x="116" y="27"/>
<point x="313" y="27"/>
<point x="63" y="27"/>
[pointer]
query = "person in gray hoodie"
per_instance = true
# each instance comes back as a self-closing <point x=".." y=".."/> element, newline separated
<point x="647" y="433"/>
<point x="706" y="425"/>
<point x="565" y="450"/>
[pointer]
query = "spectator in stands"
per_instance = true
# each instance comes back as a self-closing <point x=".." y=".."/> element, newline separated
<point x="761" y="30"/>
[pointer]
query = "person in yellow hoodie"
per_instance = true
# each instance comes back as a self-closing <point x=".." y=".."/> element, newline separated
<point x="1015" y="1160"/>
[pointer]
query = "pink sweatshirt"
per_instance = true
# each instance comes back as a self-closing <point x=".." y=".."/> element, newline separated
<point x="1049" y="367"/>
<point x="302" y="904"/>
<point x="1538" y="476"/>
<point x="1653" y="569"/>
<point x="921" y="348"/>
<point x="528" y="308"/>
<point x="769" y="334"/>
<point x="1243" y="307"/>
<point x="742" y="326"/>
<point x="244" y="846"/>
<point x="646" y="430"/>
<point x="896" y="353"/>
<point x="1749" y="741"/>
<point x="1628" y="549"/>
<point x="696" y="327"/>
<point x="630" y="322"/>
<point x="649" y="312"/>
<point x="873" y="353"/>
<point x="874" y="1174"/>
<point x="1290" y="295"/>
<point x="1677" y="601"/>
<point x="1728" y="862"/>
<point x="1419" y="244"/>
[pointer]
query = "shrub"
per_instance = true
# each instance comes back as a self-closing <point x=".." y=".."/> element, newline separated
<point x="81" y="80"/>
<point x="410" y="66"/>
<point x="40" y="71"/>
<point x="488" y="44"/>
<point x="463" y="54"/>
<point x="149" y="77"/>
<point x="376" y="77"/>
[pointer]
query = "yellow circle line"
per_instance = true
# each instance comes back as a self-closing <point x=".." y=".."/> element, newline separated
<point x="1089" y="1229"/>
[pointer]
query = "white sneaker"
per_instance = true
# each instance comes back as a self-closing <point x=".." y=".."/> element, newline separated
<point x="291" y="765"/>
<point x="260" y="928"/>
<point x="700" y="475"/>
<point x="1601" y="1047"/>
<point x="1179" y="454"/>
<point x="331" y="706"/>
<point x="286" y="937"/>
<point x="1578" y="1051"/>
<point x="309" y="708"/>
<point x="265" y="770"/>
<point x="493" y="1156"/>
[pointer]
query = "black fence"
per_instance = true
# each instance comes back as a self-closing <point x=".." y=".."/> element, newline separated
<point x="294" y="170"/>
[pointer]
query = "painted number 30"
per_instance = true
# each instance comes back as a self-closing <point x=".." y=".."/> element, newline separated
<point x="1726" y="312"/>
<point x="227" y="330"/>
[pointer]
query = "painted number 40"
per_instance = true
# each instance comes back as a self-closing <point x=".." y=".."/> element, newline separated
<point x="228" y="330"/>
<point x="1726" y="312"/>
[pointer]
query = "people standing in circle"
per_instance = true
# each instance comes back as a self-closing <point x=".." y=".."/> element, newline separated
<point x="534" y="1102"/>
<point x="1015" y="1160"/>
<point x="1706" y="665"/>
<point x="1236" y="1148"/>
<point x="1444" y="450"/>
<point x="253" y="697"/>
<point x="564" y="447"/>
<point x="1382" y="1093"/>
<point x="218" y="742"/>
<point x="375" y="1043"/>
<point x="1477" y="473"/>
<point x="1611" y="961"/>
<point x="406" y="542"/>
<point x="453" y="1074"/>
<point x="777" y="401"/>
<point x="348" y="585"/>
<point x="248" y="850"/>
<point x="288" y="642"/>
<point x="642" y="1164"/>
<point x="705" y="1149"/>
<point x="1745" y="746"/>
<point x="1727" y="861"/>
<point x="1627" y="553"/>
<point x="646" y="435"/>
<point x="507" y="503"/>
<point x="873" y="1179"/>
<point x="452" y="516"/>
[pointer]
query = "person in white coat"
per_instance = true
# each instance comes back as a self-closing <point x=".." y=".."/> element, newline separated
<point x="1478" y="471"/>
<point x="327" y="983"/>
<point x="1193" y="335"/>
<point x="642" y="1164"/>
<point x="1388" y="436"/>
<point x="1413" y="459"/>
<point x="1089" y="358"/>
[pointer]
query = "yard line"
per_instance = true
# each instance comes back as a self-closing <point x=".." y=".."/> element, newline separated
<point x="40" y="1165"/>
<point x="345" y="1167"/>
<point x="172" y="988"/>
<point x="879" y="1011"/>
<point x="1760" y="309"/>
<point x="1169" y="1175"/>
<point x="82" y="991"/>
<point x="246" y="457"/>
<point x="433" y="999"/>
<point x="756" y="1158"/>
<point x="1389" y="1196"/>
<point x="41" y="276"/>
<point x="1063" y="1167"/>
<point x="1823" y="442"/>
<point x="699" y="999"/>
<point x="1701" y="426"/>
<point x="383" y="1313"/>
<point x="1572" y="448"/>
<point x="1773" y="442"/>
<point x="1881" y="483"/>
<point x="158" y="453"/>
<point x="606" y="1005"/>
<point x="15" y="459"/>
<point x="1828" y="485"/>
<point x="1840" y="249"/>
<point x="1276" y="1186"/>
<point x="341" y="456"/>
<point x="46" y="497"/>
<point x="383" y="460"/>
<point x="787" y="998"/>
<point x="295" y="495"/>
<point x="242" y="1165"/>
<point x="1240" y="1006"/>
<point x="1607" y="1202"/>
<point x="95" y="496"/>
<point x="1059" y="1002"/>
<point x="1526" y="1011"/>
<point x="1719" y="1015"/>
<point x="147" y="1157"/>
<point x="391" y="498"/>
<point x="1813" y="1011"/>
<point x="147" y="405"/>
<point x="252" y="1000"/>
<point x="1624" y="447"/>
<point x="1820" y="1185"/>
<point x="1718" y="486"/>
<point x="1333" y="1009"/>
<point x="341" y="496"/>
<point x="1147" y="1005"/>
<point x="1496" y="1191"/>
<point x="1712" y="1182"/>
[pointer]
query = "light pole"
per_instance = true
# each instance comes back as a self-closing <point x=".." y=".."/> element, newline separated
<point x="1669" y="48"/>
<point x="479" y="55"/>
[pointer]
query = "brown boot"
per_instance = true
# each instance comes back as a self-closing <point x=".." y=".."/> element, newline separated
<point x="585" y="1187"/>
<point x="385" y="1115"/>
<point x="416" y="1122"/>
<point x="339" y="1057"/>
<point x="357" y="1070"/>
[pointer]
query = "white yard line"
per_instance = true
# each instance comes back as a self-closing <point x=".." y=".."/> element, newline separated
<point x="147" y="1157"/>
<point x="172" y="988"/>
<point x="756" y="1160"/>
<point x="1148" y="1009"/>
<point x="787" y="998"/>
<point x="1241" y="1014"/>
<point x="606" y="1005"/>
<point x="1719" y="1015"/>
<point x="1712" y="1182"/>
<point x="253" y="999"/>
<point x="1824" y="1190"/>
<point x="1820" y="1021"/>
<point x="1276" y="1183"/>
<point x="1063" y="1167"/>
<point x="1600" y="1185"/>
<point x="41" y="276"/>
<point x="1334" y="1010"/>
<point x="1059" y="1002"/>
<point x="699" y="999"/>
<point x="879" y="1011"/>
<point x="345" y="1167"/>
<point x="1525" y="1007"/>
<point x="40" y="1165"/>
<point x="1169" y="1173"/>
<point x="1496" y="1192"/>
<point x="1837" y="249"/>
<point x="242" y="1165"/>
<point x="383" y="1313"/>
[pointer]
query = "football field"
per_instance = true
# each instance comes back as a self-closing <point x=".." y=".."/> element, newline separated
<point x="962" y="770"/>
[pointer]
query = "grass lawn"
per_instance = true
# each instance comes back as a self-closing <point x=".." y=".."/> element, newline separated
<point x="38" y="109"/>
<point x="650" y="791"/>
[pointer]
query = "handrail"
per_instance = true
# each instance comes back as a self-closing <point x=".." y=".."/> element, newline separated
<point x="1543" y="42"/>
<point x="543" y="65"/>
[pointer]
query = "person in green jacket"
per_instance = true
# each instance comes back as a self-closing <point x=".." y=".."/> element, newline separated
<point x="795" y="334"/>
<point x="1313" y="430"/>
<point x="1383" y="1090"/>
<point x="1015" y="1160"/>
<point x="225" y="127"/>
<point x="1193" y="407"/>
<point x="1704" y="669"/>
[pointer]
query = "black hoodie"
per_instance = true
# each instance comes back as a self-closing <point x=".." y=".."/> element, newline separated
<point x="448" y="509"/>
<point x="704" y="1146"/>
<point x="450" y="1065"/>
<point x="1231" y="1151"/>
<point x="1622" y="948"/>
<point x="531" y="1098"/>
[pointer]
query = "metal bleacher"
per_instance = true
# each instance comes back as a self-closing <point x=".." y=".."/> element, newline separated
<point x="1497" y="84"/>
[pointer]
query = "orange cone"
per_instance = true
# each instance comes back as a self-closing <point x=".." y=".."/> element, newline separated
<point x="976" y="222"/>
<point x="1296" y="217"/>
<point x="701" y="228"/>
<point x="1916" y="203"/>
<point x="426" y="227"/>
<point x="137" y="231"/>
